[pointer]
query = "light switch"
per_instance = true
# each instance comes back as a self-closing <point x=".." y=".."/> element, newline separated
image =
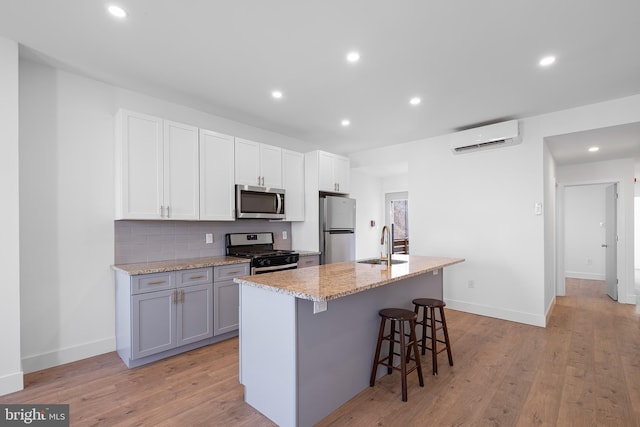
<point x="284" y="235"/>
<point x="538" y="209"/>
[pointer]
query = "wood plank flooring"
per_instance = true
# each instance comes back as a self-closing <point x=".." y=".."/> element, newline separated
<point x="582" y="370"/>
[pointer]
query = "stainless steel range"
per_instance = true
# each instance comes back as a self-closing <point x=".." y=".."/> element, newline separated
<point x="259" y="248"/>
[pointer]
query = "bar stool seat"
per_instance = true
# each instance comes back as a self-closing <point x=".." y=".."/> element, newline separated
<point x="430" y="323"/>
<point x="401" y="316"/>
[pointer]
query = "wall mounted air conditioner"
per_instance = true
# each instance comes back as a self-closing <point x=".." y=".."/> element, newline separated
<point x="481" y="138"/>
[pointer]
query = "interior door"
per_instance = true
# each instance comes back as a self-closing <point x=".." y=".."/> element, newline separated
<point x="611" y="242"/>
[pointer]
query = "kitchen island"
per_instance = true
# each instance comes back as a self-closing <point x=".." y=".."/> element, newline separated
<point x="307" y="336"/>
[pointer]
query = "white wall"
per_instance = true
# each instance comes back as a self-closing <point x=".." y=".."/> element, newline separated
<point x="584" y="231"/>
<point x="395" y="183"/>
<point x="620" y="171"/>
<point x="481" y="207"/>
<point x="636" y="203"/>
<point x="10" y="368"/>
<point x="550" y="226"/>
<point x="67" y="206"/>
<point x="367" y="190"/>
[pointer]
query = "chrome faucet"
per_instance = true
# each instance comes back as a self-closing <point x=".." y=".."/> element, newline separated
<point x="388" y="233"/>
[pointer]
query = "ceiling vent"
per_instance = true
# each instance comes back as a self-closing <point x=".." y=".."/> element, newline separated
<point x="485" y="137"/>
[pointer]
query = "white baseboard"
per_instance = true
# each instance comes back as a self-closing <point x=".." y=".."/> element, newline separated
<point x="549" y="311"/>
<point x="11" y="383"/>
<point x="61" y="356"/>
<point x="498" y="313"/>
<point x="582" y="275"/>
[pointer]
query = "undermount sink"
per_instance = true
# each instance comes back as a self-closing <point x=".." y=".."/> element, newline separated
<point x="381" y="261"/>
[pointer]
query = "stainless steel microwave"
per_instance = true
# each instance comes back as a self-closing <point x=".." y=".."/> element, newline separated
<point x="259" y="202"/>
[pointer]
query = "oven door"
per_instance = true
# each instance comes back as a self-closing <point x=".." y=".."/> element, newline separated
<point x="259" y="202"/>
<point x="272" y="268"/>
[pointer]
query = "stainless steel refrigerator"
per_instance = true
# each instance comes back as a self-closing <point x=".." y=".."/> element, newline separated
<point x="337" y="229"/>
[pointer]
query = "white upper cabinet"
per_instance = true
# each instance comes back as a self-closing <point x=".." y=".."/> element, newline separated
<point x="247" y="162"/>
<point x="156" y="168"/>
<point x="217" y="189"/>
<point x="139" y="166"/>
<point x="333" y="173"/>
<point x="271" y="166"/>
<point x="293" y="183"/>
<point x="181" y="171"/>
<point x="258" y="164"/>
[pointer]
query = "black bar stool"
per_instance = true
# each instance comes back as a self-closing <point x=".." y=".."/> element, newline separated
<point x="433" y="325"/>
<point x="401" y="316"/>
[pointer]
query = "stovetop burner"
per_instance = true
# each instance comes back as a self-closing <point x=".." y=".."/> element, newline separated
<point x="259" y="248"/>
<point x="258" y="252"/>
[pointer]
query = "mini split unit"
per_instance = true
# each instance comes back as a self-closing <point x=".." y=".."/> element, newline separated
<point x="485" y="137"/>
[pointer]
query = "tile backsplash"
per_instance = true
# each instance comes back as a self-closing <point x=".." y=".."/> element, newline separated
<point x="144" y="241"/>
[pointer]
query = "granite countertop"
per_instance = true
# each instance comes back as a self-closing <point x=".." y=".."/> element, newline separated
<point x="177" y="264"/>
<point x="332" y="281"/>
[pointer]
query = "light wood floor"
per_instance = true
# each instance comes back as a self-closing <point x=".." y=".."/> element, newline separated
<point x="582" y="370"/>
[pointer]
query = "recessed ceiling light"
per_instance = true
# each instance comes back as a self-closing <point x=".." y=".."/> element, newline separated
<point x="415" y="101"/>
<point x="547" y="60"/>
<point x="276" y="94"/>
<point x="345" y="122"/>
<point x="593" y="149"/>
<point x="117" y="11"/>
<point x="353" y="57"/>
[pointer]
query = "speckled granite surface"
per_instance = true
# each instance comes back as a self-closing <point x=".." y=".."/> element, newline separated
<point x="177" y="264"/>
<point x="331" y="281"/>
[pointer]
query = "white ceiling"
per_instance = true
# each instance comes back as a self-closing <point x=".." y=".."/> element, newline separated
<point x="471" y="62"/>
<point x="615" y="142"/>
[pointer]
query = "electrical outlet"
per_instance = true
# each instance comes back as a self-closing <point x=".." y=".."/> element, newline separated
<point x="284" y="235"/>
<point x="471" y="284"/>
<point x="208" y="238"/>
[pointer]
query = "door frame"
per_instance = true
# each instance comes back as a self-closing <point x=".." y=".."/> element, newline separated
<point x="388" y="198"/>
<point x="560" y="231"/>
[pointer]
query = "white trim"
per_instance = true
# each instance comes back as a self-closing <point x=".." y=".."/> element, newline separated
<point x="11" y="383"/>
<point x="624" y="230"/>
<point x="61" y="356"/>
<point x="549" y="311"/>
<point x="498" y="313"/>
<point x="582" y="275"/>
<point x="561" y="289"/>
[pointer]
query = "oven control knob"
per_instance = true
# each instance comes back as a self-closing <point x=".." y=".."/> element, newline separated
<point x="264" y="262"/>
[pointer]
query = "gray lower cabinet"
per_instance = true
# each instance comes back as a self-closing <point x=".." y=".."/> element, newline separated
<point x="153" y="326"/>
<point x="194" y="313"/>
<point x="226" y="297"/>
<point x="162" y="314"/>
<point x="164" y="319"/>
<point x="308" y="261"/>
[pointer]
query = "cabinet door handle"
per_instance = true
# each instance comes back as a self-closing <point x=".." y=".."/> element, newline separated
<point x="229" y="273"/>
<point x="168" y="215"/>
<point x="196" y="277"/>
<point x="175" y="297"/>
<point x="157" y="282"/>
<point x="181" y="296"/>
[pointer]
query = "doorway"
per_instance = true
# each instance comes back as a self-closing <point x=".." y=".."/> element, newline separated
<point x="590" y="235"/>
<point x="397" y="216"/>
